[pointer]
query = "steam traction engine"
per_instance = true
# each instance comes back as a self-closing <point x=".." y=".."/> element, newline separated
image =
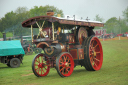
<point x="66" y="44"/>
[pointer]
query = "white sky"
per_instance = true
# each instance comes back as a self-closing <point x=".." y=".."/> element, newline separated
<point x="81" y="8"/>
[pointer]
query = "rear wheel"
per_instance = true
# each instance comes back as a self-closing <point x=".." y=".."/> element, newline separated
<point x="93" y="57"/>
<point x="64" y="64"/>
<point x="29" y="51"/>
<point x="14" y="62"/>
<point x="41" y="65"/>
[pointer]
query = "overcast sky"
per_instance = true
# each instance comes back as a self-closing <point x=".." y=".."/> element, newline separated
<point x="81" y="8"/>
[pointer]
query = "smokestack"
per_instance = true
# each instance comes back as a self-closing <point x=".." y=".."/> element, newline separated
<point x="50" y="13"/>
<point x="4" y="36"/>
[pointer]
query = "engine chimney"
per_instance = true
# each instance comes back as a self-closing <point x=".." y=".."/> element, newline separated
<point x="4" y="36"/>
<point x="50" y="13"/>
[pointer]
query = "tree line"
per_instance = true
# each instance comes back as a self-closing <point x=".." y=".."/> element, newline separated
<point x="11" y="23"/>
<point x="115" y="25"/>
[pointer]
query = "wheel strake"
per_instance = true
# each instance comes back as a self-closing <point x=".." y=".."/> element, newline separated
<point x="41" y="65"/>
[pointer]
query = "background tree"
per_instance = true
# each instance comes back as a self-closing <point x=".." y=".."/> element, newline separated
<point x="12" y="20"/>
<point x="98" y="18"/>
<point x="42" y="10"/>
<point x="125" y="14"/>
<point x="112" y="25"/>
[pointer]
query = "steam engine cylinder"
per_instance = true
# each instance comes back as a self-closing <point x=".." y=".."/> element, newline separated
<point x="54" y="49"/>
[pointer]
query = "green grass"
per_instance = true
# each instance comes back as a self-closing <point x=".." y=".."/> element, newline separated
<point x="114" y="70"/>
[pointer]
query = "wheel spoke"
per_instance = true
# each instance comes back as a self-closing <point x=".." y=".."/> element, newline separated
<point x="67" y="70"/>
<point x="37" y="68"/>
<point x="36" y="65"/>
<point x="61" y="60"/>
<point x="68" y="60"/>
<point x="96" y="59"/>
<point x="96" y="45"/>
<point x="91" y="47"/>
<point x="91" y="60"/>
<point x="62" y="69"/>
<point x="95" y="64"/>
<point x="43" y="70"/>
<point x="60" y="65"/>
<point x="42" y="58"/>
<point x="68" y="67"/>
<point x="37" y="61"/>
<point x="98" y="52"/>
<point x="64" y="59"/>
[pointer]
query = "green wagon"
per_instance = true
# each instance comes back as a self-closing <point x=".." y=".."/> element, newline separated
<point x="11" y="53"/>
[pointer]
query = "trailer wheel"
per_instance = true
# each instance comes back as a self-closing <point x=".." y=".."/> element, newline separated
<point x="93" y="54"/>
<point x="64" y="64"/>
<point x="40" y="65"/>
<point x="15" y="62"/>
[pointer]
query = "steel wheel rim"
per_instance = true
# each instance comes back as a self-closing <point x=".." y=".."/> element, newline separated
<point x="41" y="65"/>
<point x="66" y="65"/>
<point x="95" y="53"/>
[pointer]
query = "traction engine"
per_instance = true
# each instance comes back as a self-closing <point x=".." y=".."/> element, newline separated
<point x="66" y="43"/>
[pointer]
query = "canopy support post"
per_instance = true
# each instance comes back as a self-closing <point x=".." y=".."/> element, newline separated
<point x="32" y="33"/>
<point x="53" y="30"/>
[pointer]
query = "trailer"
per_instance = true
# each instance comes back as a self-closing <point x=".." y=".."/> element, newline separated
<point x="11" y="53"/>
<point x="66" y="42"/>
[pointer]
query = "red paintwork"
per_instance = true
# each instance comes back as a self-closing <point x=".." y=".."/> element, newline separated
<point x="73" y="52"/>
<point x="81" y="53"/>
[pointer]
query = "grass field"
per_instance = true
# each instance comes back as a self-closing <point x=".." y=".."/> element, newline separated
<point x="114" y="70"/>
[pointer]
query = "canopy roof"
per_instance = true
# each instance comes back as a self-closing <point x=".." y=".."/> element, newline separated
<point x="69" y="21"/>
<point x="11" y="48"/>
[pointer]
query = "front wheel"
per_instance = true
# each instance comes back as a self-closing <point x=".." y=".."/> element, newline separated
<point x="40" y="65"/>
<point x="64" y="64"/>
